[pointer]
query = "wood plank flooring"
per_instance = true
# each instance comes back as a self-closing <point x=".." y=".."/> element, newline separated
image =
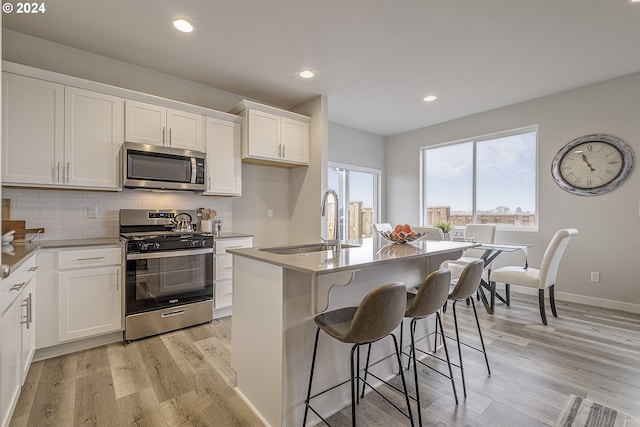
<point x="184" y="378"/>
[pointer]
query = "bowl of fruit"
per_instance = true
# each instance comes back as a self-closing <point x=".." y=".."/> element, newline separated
<point x="401" y="234"/>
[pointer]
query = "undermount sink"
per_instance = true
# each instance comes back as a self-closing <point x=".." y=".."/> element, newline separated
<point x="303" y="249"/>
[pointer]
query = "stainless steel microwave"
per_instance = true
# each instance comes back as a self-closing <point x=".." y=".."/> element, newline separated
<point x="165" y="168"/>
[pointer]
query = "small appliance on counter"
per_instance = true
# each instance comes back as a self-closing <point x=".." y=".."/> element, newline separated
<point x="169" y="271"/>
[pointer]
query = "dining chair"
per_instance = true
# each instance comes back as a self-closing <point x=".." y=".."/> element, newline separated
<point x="435" y="233"/>
<point x="480" y="233"/>
<point x="382" y="226"/>
<point x="543" y="278"/>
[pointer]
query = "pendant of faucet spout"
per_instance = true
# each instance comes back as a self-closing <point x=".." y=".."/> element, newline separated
<point x="323" y="208"/>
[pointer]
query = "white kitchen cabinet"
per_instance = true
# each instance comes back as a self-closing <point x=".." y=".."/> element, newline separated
<point x="223" y="272"/>
<point x="9" y="361"/>
<point x="33" y="131"/>
<point x="156" y="125"/>
<point x="94" y="131"/>
<point x="17" y="335"/>
<point x="79" y="294"/>
<point x="273" y="136"/>
<point x="224" y="164"/>
<point x="58" y="136"/>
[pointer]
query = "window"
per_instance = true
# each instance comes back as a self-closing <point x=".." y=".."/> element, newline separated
<point x="485" y="180"/>
<point x="358" y="189"/>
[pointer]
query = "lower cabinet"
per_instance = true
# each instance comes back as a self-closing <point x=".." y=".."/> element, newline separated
<point x="17" y="335"/>
<point x="79" y="294"/>
<point x="89" y="302"/>
<point x="223" y="272"/>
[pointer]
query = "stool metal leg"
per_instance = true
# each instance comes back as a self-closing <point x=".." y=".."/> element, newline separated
<point x="412" y="328"/>
<point x="455" y="322"/>
<point x="404" y="383"/>
<point x="484" y="350"/>
<point x="446" y="352"/>
<point x="354" y="390"/>
<point x="313" y="364"/>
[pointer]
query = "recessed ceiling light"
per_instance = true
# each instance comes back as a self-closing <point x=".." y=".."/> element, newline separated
<point x="635" y="1"/>
<point x="183" y="25"/>
<point x="306" y="74"/>
<point x="430" y="98"/>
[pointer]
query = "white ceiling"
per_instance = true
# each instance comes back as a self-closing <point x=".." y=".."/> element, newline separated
<point x="374" y="59"/>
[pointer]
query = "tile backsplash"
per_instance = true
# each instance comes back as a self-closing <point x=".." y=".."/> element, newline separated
<point x="68" y="214"/>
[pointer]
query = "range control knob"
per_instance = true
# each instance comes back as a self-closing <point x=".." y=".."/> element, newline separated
<point x="143" y="246"/>
<point x="156" y="245"/>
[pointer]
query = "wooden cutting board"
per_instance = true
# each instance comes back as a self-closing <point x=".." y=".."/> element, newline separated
<point x="19" y="228"/>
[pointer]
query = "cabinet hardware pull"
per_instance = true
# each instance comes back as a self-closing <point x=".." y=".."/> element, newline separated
<point x="163" y="132"/>
<point x="284" y="147"/>
<point x="279" y="150"/>
<point x="34" y="268"/>
<point x="68" y="173"/>
<point x="170" y="139"/>
<point x="90" y="259"/>
<point x="28" y="316"/>
<point x="17" y="287"/>
<point x="173" y="313"/>
<point x="58" y="179"/>
<point x="209" y="182"/>
<point x="117" y="283"/>
<point x="30" y="310"/>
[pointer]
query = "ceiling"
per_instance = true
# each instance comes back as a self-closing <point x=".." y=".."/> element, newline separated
<point x="375" y="60"/>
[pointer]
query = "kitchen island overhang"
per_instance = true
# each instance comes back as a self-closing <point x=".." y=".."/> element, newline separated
<point x="275" y="297"/>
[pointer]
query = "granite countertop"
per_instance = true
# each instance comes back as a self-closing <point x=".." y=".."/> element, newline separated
<point x="371" y="251"/>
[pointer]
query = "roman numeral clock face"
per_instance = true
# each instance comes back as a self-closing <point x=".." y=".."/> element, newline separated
<point x="592" y="164"/>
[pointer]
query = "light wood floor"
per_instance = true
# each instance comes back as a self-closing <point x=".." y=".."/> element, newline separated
<point x="184" y="378"/>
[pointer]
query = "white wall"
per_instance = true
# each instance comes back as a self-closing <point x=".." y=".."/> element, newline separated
<point x="609" y="224"/>
<point x="360" y="148"/>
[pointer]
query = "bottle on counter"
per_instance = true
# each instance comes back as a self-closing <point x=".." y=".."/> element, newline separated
<point x="217" y="227"/>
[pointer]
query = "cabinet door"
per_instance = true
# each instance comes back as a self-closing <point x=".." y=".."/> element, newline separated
<point x="32" y="130"/>
<point x="145" y="123"/>
<point x="263" y="135"/>
<point x="89" y="302"/>
<point x="184" y="130"/>
<point x="294" y="137"/>
<point x="224" y="166"/>
<point x="93" y="135"/>
<point x="9" y="361"/>
<point x="28" y="332"/>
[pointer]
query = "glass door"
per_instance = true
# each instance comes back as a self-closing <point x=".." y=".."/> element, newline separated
<point x="359" y="199"/>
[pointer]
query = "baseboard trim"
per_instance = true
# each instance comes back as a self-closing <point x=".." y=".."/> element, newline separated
<point x="74" y="346"/>
<point x="582" y="299"/>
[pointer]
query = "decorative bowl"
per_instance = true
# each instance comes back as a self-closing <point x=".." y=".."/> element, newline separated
<point x="402" y="237"/>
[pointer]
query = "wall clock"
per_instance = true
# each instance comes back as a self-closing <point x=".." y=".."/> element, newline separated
<point x="592" y="164"/>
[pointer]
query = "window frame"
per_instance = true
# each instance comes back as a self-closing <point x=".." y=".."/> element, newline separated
<point x="475" y="140"/>
<point x="377" y="196"/>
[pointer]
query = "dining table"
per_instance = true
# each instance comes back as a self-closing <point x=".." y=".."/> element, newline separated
<point x="491" y="252"/>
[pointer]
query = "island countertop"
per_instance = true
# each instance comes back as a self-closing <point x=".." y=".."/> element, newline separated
<point x="371" y="251"/>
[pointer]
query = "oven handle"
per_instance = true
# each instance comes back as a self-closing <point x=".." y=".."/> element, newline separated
<point x="169" y="254"/>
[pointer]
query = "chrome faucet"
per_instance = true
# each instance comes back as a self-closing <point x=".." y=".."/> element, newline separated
<point x="335" y="242"/>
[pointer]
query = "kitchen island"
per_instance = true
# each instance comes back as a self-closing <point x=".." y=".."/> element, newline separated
<point x="276" y="294"/>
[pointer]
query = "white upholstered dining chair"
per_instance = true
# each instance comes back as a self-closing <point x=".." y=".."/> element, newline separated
<point x="543" y="278"/>
<point x="481" y="233"/>
<point x="435" y="233"/>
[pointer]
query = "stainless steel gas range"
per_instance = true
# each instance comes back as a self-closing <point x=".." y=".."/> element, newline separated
<point x="169" y="272"/>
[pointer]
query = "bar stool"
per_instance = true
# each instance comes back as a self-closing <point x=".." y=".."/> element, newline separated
<point x="377" y="316"/>
<point x="431" y="296"/>
<point x="463" y="290"/>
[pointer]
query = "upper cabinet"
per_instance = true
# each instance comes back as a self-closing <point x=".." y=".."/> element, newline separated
<point x="224" y="167"/>
<point x="57" y="136"/>
<point x="152" y="124"/>
<point x="273" y="136"/>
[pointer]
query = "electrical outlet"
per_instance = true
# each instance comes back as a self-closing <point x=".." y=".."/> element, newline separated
<point x="269" y="213"/>
<point x="92" y="212"/>
<point x="595" y="277"/>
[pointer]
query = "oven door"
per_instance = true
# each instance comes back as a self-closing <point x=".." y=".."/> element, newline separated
<point x="163" y="279"/>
